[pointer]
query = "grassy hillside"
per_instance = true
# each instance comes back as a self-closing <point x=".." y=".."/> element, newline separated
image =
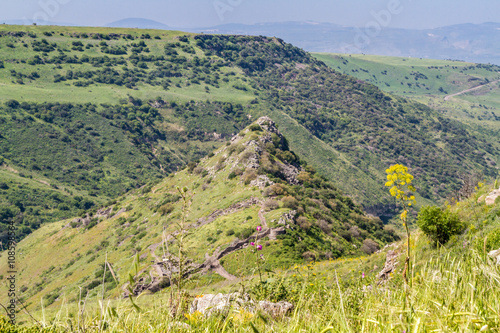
<point x="87" y="136"/>
<point x="430" y="81"/>
<point x="453" y="288"/>
<point x="253" y="181"/>
<point x="89" y="114"/>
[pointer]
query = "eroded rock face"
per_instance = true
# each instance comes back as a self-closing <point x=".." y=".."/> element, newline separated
<point x="253" y="160"/>
<point x="492" y="196"/>
<point x="291" y="172"/>
<point x="211" y="304"/>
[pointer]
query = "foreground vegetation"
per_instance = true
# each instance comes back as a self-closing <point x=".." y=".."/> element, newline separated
<point x="453" y="289"/>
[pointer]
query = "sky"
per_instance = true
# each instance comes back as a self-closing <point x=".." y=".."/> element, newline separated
<point x="411" y="14"/>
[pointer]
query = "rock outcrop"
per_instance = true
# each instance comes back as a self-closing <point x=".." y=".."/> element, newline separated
<point x="222" y="303"/>
<point x="262" y="181"/>
<point x="491" y="197"/>
<point x="85" y="221"/>
<point x="289" y="171"/>
<point x="275" y="310"/>
<point x="391" y="261"/>
<point x="287" y="218"/>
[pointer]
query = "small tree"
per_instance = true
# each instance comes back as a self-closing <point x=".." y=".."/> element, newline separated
<point x="399" y="181"/>
<point x="439" y="225"/>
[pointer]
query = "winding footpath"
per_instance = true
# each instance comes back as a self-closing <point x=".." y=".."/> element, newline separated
<point x="262" y="218"/>
<point x="211" y="262"/>
<point x="447" y="98"/>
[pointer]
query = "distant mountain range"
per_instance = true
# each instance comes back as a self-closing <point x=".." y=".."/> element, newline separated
<point x="138" y="23"/>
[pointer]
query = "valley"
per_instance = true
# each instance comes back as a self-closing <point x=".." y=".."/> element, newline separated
<point x="157" y="98"/>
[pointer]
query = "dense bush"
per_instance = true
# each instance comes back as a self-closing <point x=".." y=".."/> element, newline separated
<point x="438" y="224"/>
<point x="369" y="246"/>
<point x="166" y="209"/>
<point x="245" y="233"/>
<point x="255" y="127"/>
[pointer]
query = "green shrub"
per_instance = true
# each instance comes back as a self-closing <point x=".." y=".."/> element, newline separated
<point x="245" y="233"/>
<point x="439" y="225"/>
<point x="255" y="127"/>
<point x="12" y="103"/>
<point x="290" y="202"/>
<point x="166" y="209"/>
<point x="249" y="175"/>
<point x="74" y="224"/>
<point x="93" y="223"/>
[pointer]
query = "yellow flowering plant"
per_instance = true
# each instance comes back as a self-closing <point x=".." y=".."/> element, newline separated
<point x="399" y="181"/>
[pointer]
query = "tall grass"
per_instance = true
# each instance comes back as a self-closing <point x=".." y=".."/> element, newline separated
<point x="450" y="293"/>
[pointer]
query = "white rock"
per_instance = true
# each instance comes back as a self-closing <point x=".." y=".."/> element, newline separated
<point x="490" y="199"/>
<point x="210" y="304"/>
<point x="495" y="254"/>
<point x="275" y="310"/>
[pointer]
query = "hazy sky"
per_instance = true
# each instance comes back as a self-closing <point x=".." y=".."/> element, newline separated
<point x="202" y="13"/>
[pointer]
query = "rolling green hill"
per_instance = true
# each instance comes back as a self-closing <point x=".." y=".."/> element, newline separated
<point x="430" y="81"/>
<point x="89" y="114"/>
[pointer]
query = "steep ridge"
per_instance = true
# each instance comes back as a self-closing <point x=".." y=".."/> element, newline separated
<point x="255" y="180"/>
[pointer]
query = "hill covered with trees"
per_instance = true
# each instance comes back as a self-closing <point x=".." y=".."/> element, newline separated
<point x="89" y="114"/>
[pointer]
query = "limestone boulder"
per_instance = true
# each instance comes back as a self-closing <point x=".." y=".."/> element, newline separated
<point x="222" y="303"/>
<point x="492" y="196"/>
